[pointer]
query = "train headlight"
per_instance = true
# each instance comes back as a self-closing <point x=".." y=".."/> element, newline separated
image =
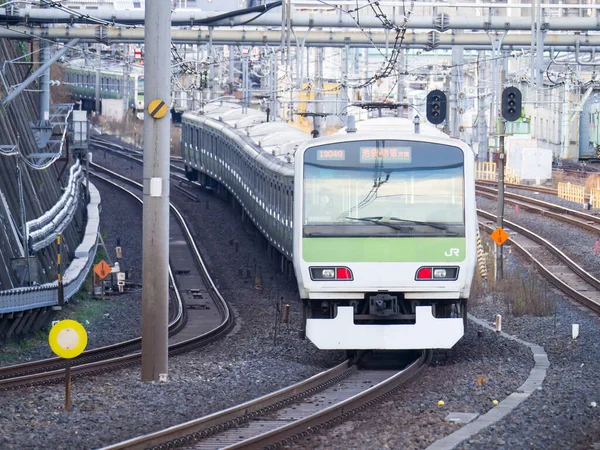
<point x="331" y="274"/>
<point x="439" y="273"/>
<point x="328" y="273"/>
<point x="436" y="273"/>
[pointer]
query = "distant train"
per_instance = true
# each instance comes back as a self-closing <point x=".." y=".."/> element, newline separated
<point x="83" y="78"/>
<point x="379" y="222"/>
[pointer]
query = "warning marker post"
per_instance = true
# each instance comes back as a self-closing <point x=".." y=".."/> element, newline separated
<point x="67" y="340"/>
<point x="101" y="270"/>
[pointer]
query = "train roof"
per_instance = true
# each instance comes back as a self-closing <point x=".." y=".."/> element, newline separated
<point x="213" y="109"/>
<point x="395" y="124"/>
<point x="281" y="139"/>
<point x="276" y="138"/>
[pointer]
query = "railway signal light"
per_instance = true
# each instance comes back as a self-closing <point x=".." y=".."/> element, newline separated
<point x="511" y="104"/>
<point x="436" y="107"/>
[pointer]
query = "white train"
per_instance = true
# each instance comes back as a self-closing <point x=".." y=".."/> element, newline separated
<point x="380" y="223"/>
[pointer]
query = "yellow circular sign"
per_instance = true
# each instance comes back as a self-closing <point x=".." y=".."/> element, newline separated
<point x="68" y="339"/>
<point x="157" y="109"/>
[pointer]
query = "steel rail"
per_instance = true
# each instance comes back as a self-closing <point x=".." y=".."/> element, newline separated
<point x="50" y="364"/>
<point x="94" y="361"/>
<point x="569" y="263"/>
<point x="541" y="189"/>
<point x="567" y="215"/>
<point x="241" y="415"/>
<point x="128" y="153"/>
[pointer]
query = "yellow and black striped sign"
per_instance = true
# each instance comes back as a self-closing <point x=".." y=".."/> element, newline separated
<point x="157" y="109"/>
<point x="481" y="258"/>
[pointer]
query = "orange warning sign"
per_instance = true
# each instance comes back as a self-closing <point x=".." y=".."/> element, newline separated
<point x="499" y="236"/>
<point x="102" y="269"/>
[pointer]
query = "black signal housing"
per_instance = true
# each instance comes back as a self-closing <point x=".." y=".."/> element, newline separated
<point x="512" y="102"/>
<point x="436" y="107"/>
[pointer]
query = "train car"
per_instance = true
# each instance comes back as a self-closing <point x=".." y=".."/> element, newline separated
<point x="379" y="222"/>
<point x="83" y="78"/>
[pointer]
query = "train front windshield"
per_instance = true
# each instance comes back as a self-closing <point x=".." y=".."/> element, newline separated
<point x="384" y="188"/>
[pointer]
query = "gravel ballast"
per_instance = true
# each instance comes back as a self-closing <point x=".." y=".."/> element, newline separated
<point x="252" y="361"/>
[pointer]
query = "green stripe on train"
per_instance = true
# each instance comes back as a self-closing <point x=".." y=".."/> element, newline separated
<point x="380" y="249"/>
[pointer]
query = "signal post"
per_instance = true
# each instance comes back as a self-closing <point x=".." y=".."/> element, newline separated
<point x="511" y="111"/>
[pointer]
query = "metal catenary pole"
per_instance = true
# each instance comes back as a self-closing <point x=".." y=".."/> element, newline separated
<point x="155" y="238"/>
<point x="500" y="205"/>
<point x="43" y="67"/>
<point x="44" y="83"/>
<point x="97" y="96"/>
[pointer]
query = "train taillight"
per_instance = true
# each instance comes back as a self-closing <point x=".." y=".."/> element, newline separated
<point x="331" y="274"/>
<point x="343" y="273"/>
<point x="424" y="273"/>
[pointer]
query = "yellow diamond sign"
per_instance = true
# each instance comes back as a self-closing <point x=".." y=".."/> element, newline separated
<point x="499" y="236"/>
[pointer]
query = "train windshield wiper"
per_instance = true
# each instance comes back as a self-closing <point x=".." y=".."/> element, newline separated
<point x="378" y="221"/>
<point x="387" y="221"/>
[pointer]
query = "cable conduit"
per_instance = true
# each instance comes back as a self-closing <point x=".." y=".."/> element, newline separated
<point x="26" y="298"/>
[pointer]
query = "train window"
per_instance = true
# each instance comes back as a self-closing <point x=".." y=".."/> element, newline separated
<point x="140" y="82"/>
<point x="381" y="187"/>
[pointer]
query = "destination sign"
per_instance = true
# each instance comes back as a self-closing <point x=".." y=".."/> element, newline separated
<point x="331" y="155"/>
<point x="385" y="154"/>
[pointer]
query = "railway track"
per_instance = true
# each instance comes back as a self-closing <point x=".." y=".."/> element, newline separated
<point x="283" y="416"/>
<point x="571" y="216"/>
<point x="131" y="154"/>
<point x="557" y="267"/>
<point x="524" y="187"/>
<point x="201" y="314"/>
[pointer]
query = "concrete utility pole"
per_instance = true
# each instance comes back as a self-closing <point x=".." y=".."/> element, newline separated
<point x="155" y="279"/>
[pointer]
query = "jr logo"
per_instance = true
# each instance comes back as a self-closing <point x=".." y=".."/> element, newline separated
<point x="452" y="252"/>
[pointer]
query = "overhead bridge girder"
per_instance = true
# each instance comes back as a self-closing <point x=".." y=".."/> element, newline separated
<point x="14" y="16"/>
<point x="314" y="39"/>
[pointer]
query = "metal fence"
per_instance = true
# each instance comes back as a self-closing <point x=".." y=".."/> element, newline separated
<point x="488" y="171"/>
